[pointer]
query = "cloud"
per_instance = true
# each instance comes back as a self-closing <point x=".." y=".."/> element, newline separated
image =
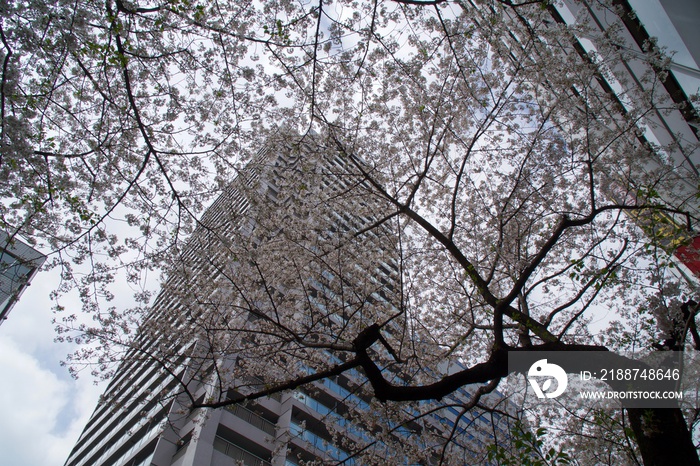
<point x="42" y="409"/>
<point x="32" y="402"/>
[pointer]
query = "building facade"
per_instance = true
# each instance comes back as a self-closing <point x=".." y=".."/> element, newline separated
<point x="646" y="86"/>
<point x="299" y="290"/>
<point x="19" y="263"/>
<point x="671" y="128"/>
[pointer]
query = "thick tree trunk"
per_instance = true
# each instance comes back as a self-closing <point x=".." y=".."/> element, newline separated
<point x="663" y="437"/>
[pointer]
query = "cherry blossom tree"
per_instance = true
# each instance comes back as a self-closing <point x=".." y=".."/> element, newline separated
<point x="510" y="191"/>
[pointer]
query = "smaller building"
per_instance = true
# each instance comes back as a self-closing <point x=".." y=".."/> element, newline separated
<point x="19" y="262"/>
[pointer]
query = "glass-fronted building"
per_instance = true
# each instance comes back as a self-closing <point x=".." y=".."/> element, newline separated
<point x="19" y="263"/>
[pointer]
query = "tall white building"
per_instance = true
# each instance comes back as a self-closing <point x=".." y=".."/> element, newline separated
<point x="634" y="86"/>
<point x="671" y="129"/>
<point x="216" y="324"/>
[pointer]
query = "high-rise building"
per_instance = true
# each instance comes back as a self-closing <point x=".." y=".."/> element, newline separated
<point x="19" y="263"/>
<point x="671" y="129"/>
<point x="635" y="87"/>
<point x="281" y="256"/>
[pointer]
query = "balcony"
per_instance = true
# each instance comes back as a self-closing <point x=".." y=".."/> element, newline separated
<point x="237" y="453"/>
<point x="253" y="419"/>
